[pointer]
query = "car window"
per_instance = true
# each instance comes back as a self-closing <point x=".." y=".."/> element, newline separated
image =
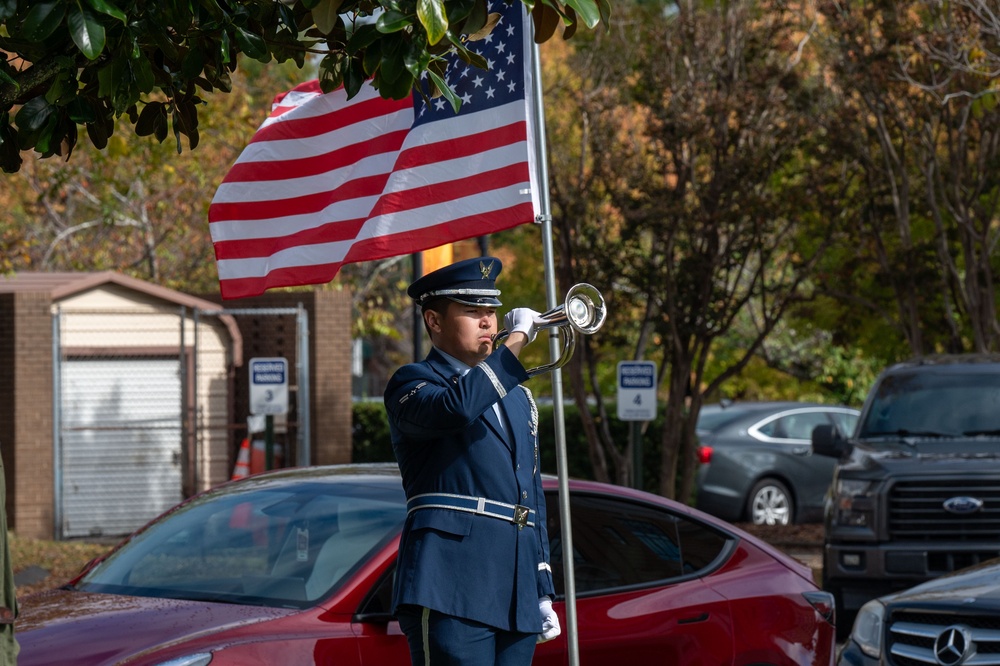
<point x="845" y="422"/>
<point x="619" y="543"/>
<point x="798" y="425"/>
<point x="276" y="547"/>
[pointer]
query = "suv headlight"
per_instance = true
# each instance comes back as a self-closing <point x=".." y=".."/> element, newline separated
<point x="852" y="501"/>
<point x="867" y="630"/>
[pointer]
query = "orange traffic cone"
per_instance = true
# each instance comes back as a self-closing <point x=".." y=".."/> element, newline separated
<point x="242" y="468"/>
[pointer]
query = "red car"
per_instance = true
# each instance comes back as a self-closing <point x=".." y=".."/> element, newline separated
<point x="295" y="567"/>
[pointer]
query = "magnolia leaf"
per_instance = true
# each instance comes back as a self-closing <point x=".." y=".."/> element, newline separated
<point x="325" y="15"/>
<point x="86" y="31"/>
<point x="251" y="44"/>
<point x="432" y="16"/>
<point x="105" y="7"/>
<point x="570" y="21"/>
<point x="491" y="22"/>
<point x="546" y="20"/>
<point x="591" y="11"/>
<point x="42" y="19"/>
<point x="441" y="88"/>
<point x="392" y="21"/>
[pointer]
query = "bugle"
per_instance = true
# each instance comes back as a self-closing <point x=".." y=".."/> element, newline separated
<point x="582" y="311"/>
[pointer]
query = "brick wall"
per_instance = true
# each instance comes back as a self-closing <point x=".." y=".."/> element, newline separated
<point x="330" y="344"/>
<point x="26" y="416"/>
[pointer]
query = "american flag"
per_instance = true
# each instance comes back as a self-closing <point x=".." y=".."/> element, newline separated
<point x="327" y="181"/>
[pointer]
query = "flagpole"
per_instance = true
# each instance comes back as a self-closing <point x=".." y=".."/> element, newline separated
<point x="552" y="301"/>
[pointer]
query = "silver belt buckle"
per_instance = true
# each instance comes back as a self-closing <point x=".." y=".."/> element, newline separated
<point x="520" y="516"/>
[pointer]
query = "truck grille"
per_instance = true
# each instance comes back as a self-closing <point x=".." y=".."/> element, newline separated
<point x="916" y="510"/>
<point x="911" y="637"/>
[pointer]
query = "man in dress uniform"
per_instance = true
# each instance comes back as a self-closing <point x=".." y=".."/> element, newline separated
<point x="473" y="581"/>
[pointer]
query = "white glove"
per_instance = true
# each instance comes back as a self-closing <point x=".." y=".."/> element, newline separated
<point x="523" y="320"/>
<point x="550" y="621"/>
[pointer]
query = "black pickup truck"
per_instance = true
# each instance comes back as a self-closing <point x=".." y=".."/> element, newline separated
<point x="916" y="490"/>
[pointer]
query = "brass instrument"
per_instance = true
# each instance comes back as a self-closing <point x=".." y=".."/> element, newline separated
<point x="582" y="311"/>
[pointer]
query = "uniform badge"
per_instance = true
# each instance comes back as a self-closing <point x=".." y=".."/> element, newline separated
<point x="485" y="269"/>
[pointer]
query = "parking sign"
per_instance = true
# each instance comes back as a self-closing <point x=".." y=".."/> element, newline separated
<point x="268" y="386"/>
<point x="636" y="390"/>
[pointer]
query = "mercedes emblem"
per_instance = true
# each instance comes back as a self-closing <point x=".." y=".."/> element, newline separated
<point x="953" y="645"/>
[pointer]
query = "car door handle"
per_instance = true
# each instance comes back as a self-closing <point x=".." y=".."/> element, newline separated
<point x="701" y="617"/>
<point x="802" y="450"/>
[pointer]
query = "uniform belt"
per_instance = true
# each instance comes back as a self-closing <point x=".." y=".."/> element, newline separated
<point x="513" y="513"/>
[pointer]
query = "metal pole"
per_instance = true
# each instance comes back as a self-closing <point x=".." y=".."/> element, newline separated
<point x="303" y="454"/>
<point x="562" y="465"/>
<point x="195" y="421"/>
<point x="418" y="320"/>
<point x="57" y="468"/>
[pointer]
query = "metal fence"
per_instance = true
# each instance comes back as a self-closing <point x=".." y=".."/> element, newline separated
<point x="148" y="409"/>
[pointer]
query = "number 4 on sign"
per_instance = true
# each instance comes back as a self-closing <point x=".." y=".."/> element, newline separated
<point x="637" y="400"/>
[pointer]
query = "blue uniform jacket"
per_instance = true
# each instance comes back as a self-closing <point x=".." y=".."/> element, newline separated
<point x="447" y="439"/>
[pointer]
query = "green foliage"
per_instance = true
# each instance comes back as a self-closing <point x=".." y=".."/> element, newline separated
<point x="88" y="62"/>
<point x="371" y="441"/>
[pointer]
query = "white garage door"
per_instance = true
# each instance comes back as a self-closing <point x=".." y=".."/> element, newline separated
<point x="120" y="445"/>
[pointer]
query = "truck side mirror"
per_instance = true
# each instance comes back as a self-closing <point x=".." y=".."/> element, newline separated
<point x="827" y="441"/>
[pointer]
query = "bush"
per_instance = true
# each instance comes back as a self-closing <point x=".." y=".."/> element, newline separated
<point x="371" y="441"/>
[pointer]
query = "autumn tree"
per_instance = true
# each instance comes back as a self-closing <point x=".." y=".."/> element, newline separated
<point x="135" y="206"/>
<point x="922" y="130"/>
<point x="696" y="191"/>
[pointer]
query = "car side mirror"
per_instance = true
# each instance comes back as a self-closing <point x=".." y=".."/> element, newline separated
<point x="827" y="441"/>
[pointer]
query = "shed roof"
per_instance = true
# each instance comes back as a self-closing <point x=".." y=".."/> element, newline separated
<point x="63" y="285"/>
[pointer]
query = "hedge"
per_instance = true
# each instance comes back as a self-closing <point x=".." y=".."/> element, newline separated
<point x="371" y="441"/>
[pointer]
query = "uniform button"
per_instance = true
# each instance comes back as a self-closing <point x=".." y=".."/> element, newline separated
<point x="518" y="466"/>
<point x="524" y="494"/>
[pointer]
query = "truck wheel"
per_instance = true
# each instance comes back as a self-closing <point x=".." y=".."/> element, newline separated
<point x="770" y="503"/>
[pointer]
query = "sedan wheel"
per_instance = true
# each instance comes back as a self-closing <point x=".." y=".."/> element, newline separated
<point x="770" y="503"/>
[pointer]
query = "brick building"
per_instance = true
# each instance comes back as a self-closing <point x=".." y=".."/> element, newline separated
<point x="80" y="354"/>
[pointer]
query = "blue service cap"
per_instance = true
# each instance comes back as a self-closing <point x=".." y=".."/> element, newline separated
<point x="472" y="282"/>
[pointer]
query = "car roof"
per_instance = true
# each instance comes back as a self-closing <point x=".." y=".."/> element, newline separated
<point x="948" y="362"/>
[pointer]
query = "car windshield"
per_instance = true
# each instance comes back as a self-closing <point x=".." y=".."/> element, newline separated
<point x="934" y="405"/>
<point x="281" y="545"/>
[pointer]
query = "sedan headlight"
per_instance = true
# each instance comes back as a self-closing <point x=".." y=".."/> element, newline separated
<point x="853" y="502"/>
<point x="200" y="659"/>
<point x="867" y="630"/>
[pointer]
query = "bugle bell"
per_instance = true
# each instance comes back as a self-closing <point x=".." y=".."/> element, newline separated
<point x="582" y="311"/>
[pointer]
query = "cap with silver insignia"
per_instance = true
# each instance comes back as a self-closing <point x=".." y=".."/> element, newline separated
<point x="472" y="282"/>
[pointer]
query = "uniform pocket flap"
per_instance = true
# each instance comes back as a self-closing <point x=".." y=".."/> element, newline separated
<point x="445" y="520"/>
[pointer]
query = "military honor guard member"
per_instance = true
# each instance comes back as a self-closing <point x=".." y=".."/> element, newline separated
<point x="473" y="581"/>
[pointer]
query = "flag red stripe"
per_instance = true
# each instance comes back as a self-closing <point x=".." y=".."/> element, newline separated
<point x="472" y="144"/>
<point x="281" y="277"/>
<point x="278" y="170"/>
<point x="477" y="183"/>
<point x="427" y="237"/>
<point x="368" y="186"/>
<point x="354" y="112"/>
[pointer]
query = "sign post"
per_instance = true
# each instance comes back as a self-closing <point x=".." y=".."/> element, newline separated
<point x="268" y="396"/>
<point x="636" y="403"/>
